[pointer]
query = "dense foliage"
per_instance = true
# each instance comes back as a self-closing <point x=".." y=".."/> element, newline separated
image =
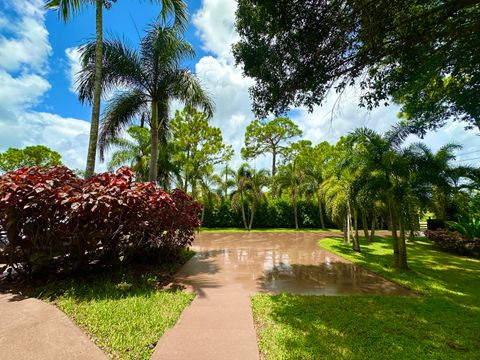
<point x="424" y="54"/>
<point x="277" y="213"/>
<point x="454" y="242"/>
<point x="52" y="220"/>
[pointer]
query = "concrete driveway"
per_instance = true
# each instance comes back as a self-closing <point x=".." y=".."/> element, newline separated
<point x="229" y="267"/>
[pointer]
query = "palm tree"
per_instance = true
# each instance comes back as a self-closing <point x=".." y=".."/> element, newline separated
<point x="67" y="8"/>
<point x="258" y="180"/>
<point x="313" y="163"/>
<point x="225" y="180"/>
<point x="239" y="196"/>
<point x="134" y="152"/>
<point x="153" y="77"/>
<point x="289" y="178"/>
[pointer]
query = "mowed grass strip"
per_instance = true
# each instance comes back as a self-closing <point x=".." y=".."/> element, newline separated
<point x="124" y="314"/>
<point x="442" y="322"/>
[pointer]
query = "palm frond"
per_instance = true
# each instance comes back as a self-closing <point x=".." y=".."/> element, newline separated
<point x="121" y="67"/>
<point x="66" y="8"/>
<point x="186" y="87"/>
<point x="119" y="113"/>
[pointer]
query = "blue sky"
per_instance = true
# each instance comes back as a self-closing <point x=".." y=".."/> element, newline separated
<point x="38" y="60"/>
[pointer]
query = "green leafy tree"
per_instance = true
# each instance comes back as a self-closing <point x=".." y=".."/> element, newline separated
<point x="68" y="8"/>
<point x="37" y="155"/>
<point x="134" y="152"/>
<point x="199" y="145"/>
<point x="152" y="76"/>
<point x="269" y="137"/>
<point x="423" y="54"/>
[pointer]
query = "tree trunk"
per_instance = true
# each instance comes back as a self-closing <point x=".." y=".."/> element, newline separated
<point x="393" y="226"/>
<point x="372" y="233"/>
<point x="252" y="214"/>
<point x="152" y="175"/>
<point x="320" y="210"/>
<point x="345" y="233"/>
<point x="365" y="225"/>
<point x="402" y="248"/>
<point x="274" y="172"/>
<point x="97" y="95"/>
<point x="274" y="162"/>
<point x="244" y="218"/>
<point x="356" y="241"/>
<point x="295" y="210"/>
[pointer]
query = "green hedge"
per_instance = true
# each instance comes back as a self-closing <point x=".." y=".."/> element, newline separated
<point x="277" y="213"/>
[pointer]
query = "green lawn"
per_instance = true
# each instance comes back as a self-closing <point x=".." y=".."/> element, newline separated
<point x="125" y="312"/>
<point x="265" y="230"/>
<point x="441" y="322"/>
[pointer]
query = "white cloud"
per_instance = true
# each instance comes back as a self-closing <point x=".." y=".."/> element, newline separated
<point x="215" y="27"/>
<point x="74" y="66"/>
<point x="25" y="41"/>
<point x="24" y="53"/>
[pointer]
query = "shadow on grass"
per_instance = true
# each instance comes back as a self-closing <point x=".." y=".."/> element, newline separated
<point x="361" y="327"/>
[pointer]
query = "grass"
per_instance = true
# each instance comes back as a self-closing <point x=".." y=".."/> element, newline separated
<point x="441" y="322"/>
<point x="125" y="312"/>
<point x="227" y="230"/>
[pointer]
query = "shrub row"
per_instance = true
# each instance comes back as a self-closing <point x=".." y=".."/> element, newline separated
<point x="272" y="214"/>
<point x="52" y="220"/>
<point x="454" y="242"/>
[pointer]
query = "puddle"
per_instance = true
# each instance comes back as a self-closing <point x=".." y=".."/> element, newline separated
<point x="275" y="263"/>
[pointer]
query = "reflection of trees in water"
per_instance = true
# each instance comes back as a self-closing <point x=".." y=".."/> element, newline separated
<point x="322" y="274"/>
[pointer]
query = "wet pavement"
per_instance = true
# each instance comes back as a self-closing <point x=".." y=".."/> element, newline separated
<point x="277" y="262"/>
<point x="229" y="267"/>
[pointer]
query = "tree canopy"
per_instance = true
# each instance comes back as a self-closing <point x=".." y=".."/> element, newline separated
<point x="37" y="155"/>
<point x="269" y="136"/>
<point x="422" y="54"/>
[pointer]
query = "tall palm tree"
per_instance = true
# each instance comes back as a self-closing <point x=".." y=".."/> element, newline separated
<point x="135" y="152"/>
<point x="152" y="76"/>
<point x="67" y="8"/>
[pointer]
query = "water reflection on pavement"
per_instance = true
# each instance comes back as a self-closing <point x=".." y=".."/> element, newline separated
<point x="275" y="263"/>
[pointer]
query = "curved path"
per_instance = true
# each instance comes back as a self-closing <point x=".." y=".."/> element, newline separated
<point x="229" y="267"/>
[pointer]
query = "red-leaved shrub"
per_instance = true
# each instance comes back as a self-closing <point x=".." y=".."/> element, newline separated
<point x="454" y="242"/>
<point x="50" y="218"/>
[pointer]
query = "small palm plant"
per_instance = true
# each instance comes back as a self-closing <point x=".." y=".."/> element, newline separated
<point x="134" y="152"/>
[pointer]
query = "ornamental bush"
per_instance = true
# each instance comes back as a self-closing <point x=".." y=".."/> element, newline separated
<point x="454" y="242"/>
<point x="52" y="220"/>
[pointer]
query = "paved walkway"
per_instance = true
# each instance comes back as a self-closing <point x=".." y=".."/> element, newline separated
<point x="31" y="329"/>
<point x="230" y="267"/>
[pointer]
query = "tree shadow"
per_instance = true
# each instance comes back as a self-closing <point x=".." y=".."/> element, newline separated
<point x="360" y="327"/>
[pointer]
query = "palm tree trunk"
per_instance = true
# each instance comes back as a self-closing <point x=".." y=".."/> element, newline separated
<point x="402" y="247"/>
<point x="393" y="225"/>
<point x="244" y="218"/>
<point x="345" y="234"/>
<point x="365" y="224"/>
<point x="152" y="175"/>
<point x="251" y="217"/>
<point x="349" y="223"/>
<point x="93" y="140"/>
<point x="356" y="241"/>
<point x="320" y="210"/>
<point x="372" y="233"/>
